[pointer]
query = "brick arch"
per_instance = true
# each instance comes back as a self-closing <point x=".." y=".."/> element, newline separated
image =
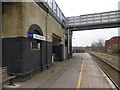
<point x="35" y="29"/>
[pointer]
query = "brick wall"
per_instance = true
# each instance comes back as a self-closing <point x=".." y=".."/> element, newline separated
<point x="112" y="43"/>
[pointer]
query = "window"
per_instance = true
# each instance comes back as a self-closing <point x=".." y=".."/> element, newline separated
<point x="35" y="45"/>
<point x="54" y="7"/>
<point x="60" y="15"/>
<point x="50" y="3"/>
<point x="58" y="11"/>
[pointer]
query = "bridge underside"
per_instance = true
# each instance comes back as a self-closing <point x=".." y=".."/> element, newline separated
<point x="91" y="27"/>
<point x="94" y="21"/>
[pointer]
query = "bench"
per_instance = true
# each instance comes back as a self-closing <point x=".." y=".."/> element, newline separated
<point x="5" y="76"/>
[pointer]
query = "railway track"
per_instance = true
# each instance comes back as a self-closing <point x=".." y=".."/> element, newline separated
<point x="112" y="72"/>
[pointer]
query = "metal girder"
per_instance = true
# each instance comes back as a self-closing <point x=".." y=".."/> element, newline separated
<point x="90" y="27"/>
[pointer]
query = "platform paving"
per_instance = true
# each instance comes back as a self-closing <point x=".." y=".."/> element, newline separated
<point x="67" y="74"/>
<point x="92" y="75"/>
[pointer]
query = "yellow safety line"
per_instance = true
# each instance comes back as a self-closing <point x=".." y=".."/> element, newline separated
<point x="80" y="76"/>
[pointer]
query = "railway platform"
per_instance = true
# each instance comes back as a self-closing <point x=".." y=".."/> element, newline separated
<point x="79" y="72"/>
<point x="92" y="75"/>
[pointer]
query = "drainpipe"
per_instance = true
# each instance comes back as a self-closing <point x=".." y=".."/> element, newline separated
<point x="46" y="39"/>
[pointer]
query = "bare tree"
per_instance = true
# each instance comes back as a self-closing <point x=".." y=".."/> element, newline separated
<point x="98" y="46"/>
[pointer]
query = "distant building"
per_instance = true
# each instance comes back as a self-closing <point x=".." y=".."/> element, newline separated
<point x="112" y="45"/>
<point x="78" y="50"/>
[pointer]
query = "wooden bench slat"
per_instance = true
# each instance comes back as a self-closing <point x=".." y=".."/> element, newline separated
<point x="8" y="77"/>
<point x="4" y="74"/>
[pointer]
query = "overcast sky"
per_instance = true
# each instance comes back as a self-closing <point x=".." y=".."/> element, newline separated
<point x="81" y="7"/>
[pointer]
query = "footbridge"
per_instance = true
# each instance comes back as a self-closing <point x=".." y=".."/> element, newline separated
<point x="109" y="19"/>
<point x="94" y="21"/>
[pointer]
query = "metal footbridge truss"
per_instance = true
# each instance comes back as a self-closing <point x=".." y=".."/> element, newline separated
<point x="109" y="19"/>
<point x="94" y="21"/>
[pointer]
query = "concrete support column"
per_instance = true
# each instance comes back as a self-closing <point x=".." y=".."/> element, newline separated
<point x="68" y="45"/>
<point x="0" y="41"/>
<point x="119" y="27"/>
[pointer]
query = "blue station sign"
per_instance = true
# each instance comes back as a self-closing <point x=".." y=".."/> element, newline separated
<point x="36" y="36"/>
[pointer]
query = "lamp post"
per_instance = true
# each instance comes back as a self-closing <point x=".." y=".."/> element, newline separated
<point x="74" y="49"/>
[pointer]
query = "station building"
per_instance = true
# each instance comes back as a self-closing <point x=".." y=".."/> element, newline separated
<point x="34" y="34"/>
